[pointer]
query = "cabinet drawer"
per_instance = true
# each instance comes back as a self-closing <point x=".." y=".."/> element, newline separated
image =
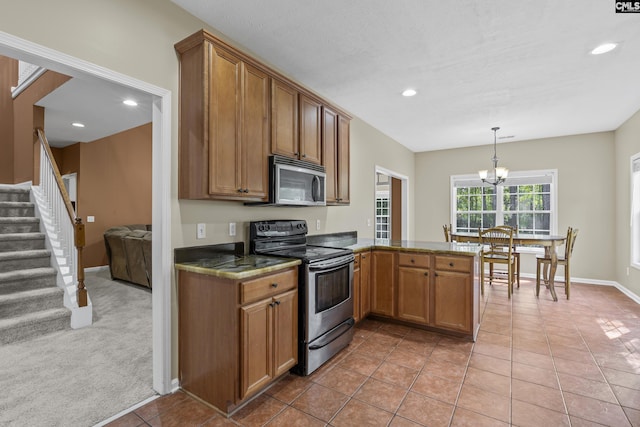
<point x="454" y="263"/>
<point x="414" y="260"/>
<point x="263" y="287"/>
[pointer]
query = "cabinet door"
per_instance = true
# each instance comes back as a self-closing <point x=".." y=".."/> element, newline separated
<point x="285" y="332"/>
<point x="284" y="119"/>
<point x="452" y="301"/>
<point x="223" y="121"/>
<point x="365" y="284"/>
<point x="343" y="160"/>
<point x="310" y="129"/>
<point x="356" y="288"/>
<point x="256" y="327"/>
<point x="413" y="294"/>
<point x="255" y="132"/>
<point x="383" y="286"/>
<point x="330" y="154"/>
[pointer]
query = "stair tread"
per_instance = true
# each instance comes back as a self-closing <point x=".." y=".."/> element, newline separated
<point x="16" y="296"/>
<point x="30" y="253"/>
<point x="18" y="219"/>
<point x="34" y="317"/>
<point x="21" y="236"/>
<point x="29" y="272"/>
<point x="15" y="204"/>
<point x="4" y="188"/>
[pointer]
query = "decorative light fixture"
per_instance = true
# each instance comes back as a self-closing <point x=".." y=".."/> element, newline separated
<point x="499" y="173"/>
<point x="130" y="102"/>
<point x="409" y="92"/>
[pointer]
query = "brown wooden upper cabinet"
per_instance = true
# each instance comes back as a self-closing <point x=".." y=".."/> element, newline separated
<point x="235" y="112"/>
<point x="224" y="124"/>
<point x="335" y="143"/>
<point x="295" y="124"/>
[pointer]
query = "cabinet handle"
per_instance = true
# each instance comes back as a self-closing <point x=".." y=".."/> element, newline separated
<point x="435" y="274"/>
<point x="272" y="304"/>
<point x="450" y="264"/>
<point x="363" y="256"/>
<point x="413" y="260"/>
<point x="274" y="285"/>
<point x="304" y="155"/>
<point x="277" y="302"/>
<point x="240" y="190"/>
<point x="246" y="190"/>
<point x="426" y="274"/>
<point x="296" y="154"/>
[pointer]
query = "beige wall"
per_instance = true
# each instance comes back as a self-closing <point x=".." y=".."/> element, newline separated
<point x="627" y="139"/>
<point x="586" y="177"/>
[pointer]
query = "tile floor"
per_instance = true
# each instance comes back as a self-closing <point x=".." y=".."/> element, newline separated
<point x="536" y="363"/>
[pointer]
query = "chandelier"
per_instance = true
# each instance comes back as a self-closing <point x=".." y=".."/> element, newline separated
<point x="499" y="173"/>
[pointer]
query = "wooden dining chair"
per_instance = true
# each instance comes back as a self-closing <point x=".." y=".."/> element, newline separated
<point x="497" y="248"/>
<point x="516" y="254"/>
<point x="564" y="260"/>
<point x="447" y="232"/>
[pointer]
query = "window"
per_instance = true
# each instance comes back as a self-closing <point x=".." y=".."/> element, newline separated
<point x="527" y="200"/>
<point x="635" y="211"/>
<point x="383" y="227"/>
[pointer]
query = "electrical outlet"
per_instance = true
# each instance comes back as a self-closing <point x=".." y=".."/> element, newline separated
<point x="232" y="229"/>
<point x="201" y="231"/>
<point x="368" y="222"/>
<point x="317" y="224"/>
<point x="91" y="218"/>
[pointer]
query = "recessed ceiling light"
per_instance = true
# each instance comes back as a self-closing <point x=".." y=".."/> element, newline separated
<point x="130" y="102"/>
<point x="77" y="124"/>
<point x="604" y="48"/>
<point x="409" y="92"/>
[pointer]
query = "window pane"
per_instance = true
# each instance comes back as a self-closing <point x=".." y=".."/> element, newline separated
<point x="475" y="221"/>
<point x="488" y="220"/>
<point x="475" y="203"/>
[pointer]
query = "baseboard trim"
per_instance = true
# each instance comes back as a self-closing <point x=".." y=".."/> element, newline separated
<point x="94" y="269"/>
<point x="596" y="282"/>
<point x="126" y="411"/>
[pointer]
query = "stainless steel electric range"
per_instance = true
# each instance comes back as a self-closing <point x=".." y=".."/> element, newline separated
<point x="325" y="289"/>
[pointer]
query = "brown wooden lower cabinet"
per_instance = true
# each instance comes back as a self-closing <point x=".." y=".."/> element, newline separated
<point x="361" y="285"/>
<point x="235" y="336"/>
<point x="437" y="291"/>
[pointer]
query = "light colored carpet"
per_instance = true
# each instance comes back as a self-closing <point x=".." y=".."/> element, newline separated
<point x="84" y="376"/>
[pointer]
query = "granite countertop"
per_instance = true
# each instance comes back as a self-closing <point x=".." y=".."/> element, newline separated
<point x="228" y="261"/>
<point x="349" y="241"/>
<point x="237" y="267"/>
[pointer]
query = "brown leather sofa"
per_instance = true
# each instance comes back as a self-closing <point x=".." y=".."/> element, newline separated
<point x="129" y="253"/>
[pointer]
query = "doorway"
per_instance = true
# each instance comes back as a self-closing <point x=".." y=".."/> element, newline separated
<point x="391" y="205"/>
<point x="20" y="49"/>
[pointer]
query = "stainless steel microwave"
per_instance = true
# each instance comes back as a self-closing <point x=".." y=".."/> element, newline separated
<point x="295" y="183"/>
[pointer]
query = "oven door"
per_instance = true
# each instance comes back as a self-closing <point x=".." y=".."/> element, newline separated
<point x="329" y="295"/>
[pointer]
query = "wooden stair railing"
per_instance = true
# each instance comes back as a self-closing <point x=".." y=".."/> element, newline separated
<point x="78" y="226"/>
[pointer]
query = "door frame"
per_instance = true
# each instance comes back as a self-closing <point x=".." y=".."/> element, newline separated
<point x="36" y="54"/>
<point x="405" y="196"/>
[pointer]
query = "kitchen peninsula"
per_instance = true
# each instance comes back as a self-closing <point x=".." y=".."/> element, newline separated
<point x="238" y="314"/>
<point x="435" y="285"/>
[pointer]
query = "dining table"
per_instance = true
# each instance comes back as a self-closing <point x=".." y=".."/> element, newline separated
<point x="548" y="241"/>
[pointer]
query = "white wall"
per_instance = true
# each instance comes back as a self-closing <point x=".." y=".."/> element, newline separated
<point x="586" y="177"/>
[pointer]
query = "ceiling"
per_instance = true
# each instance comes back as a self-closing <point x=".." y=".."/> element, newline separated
<point x="95" y="103"/>
<point x="524" y="66"/>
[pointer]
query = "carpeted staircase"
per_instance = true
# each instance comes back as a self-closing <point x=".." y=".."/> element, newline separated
<point x="31" y="304"/>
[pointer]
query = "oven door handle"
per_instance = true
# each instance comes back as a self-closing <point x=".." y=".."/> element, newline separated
<point x="332" y="264"/>
<point x="332" y="335"/>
